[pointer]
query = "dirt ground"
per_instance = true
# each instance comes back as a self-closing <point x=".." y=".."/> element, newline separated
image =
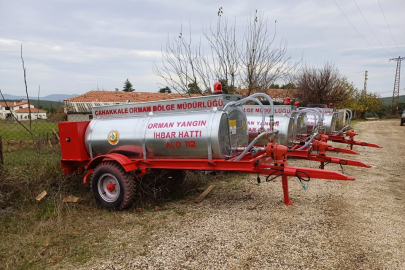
<point x="244" y="225"/>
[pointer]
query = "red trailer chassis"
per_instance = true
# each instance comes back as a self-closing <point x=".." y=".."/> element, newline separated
<point x="270" y="160"/>
<point x="340" y="138"/>
<point x="259" y="164"/>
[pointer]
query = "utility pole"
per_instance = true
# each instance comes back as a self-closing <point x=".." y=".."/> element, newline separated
<point x="395" y="92"/>
<point x="365" y="83"/>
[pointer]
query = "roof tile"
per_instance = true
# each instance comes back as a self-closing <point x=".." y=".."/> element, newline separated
<point x="33" y="110"/>
<point x="115" y="96"/>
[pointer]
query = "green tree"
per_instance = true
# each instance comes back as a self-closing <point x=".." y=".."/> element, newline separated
<point x="165" y="90"/>
<point x="288" y="86"/>
<point x="227" y="88"/>
<point x="193" y="89"/>
<point x="128" y="87"/>
<point x="360" y="102"/>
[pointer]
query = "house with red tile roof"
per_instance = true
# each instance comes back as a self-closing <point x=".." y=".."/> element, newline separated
<point x="79" y="108"/>
<point x="20" y="110"/>
<point x="24" y="113"/>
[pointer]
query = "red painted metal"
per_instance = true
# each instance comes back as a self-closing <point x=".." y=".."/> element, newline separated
<point x="71" y="135"/>
<point x="342" y="150"/>
<point x="259" y="164"/>
<point x="351" y="134"/>
<point x="111" y="187"/>
<point x="324" y="138"/>
<point x="73" y="166"/>
<point x="124" y="161"/>
<point x="285" y="190"/>
<point x="87" y="176"/>
<point x="341" y="139"/>
<point x="320" y="146"/>
<point x="305" y="154"/>
<point x="277" y="152"/>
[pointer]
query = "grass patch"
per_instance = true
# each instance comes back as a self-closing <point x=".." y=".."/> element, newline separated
<point x="10" y="130"/>
<point x="50" y="233"/>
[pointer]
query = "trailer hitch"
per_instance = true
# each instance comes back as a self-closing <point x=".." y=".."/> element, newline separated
<point x="280" y="168"/>
<point x="341" y="139"/>
<point x="324" y="159"/>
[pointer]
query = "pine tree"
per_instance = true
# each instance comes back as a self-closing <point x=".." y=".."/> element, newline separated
<point x="128" y="87"/>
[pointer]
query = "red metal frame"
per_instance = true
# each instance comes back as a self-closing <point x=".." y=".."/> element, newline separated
<point x="341" y="139"/>
<point x="272" y="161"/>
<point x="258" y="164"/>
<point x="322" y="158"/>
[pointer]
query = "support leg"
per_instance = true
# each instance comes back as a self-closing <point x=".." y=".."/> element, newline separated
<point x="285" y="190"/>
<point x="322" y="165"/>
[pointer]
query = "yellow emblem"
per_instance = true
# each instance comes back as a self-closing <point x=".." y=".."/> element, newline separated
<point x="113" y="137"/>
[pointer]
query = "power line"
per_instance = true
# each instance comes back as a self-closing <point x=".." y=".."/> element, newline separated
<point x="369" y="26"/>
<point x="388" y="26"/>
<point x="356" y="29"/>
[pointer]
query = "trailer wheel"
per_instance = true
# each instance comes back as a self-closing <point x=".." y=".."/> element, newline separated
<point x="113" y="188"/>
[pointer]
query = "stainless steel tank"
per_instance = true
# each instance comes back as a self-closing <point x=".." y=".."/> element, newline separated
<point x="329" y="122"/>
<point x="289" y="124"/>
<point x="180" y="128"/>
<point x="301" y="122"/>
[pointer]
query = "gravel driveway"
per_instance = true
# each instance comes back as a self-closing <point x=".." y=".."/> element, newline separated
<point x="243" y="225"/>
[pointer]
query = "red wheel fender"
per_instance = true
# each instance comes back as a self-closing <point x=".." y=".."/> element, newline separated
<point x="124" y="161"/>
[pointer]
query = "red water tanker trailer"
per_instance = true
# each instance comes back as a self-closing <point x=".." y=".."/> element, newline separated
<point x="291" y="124"/>
<point x="205" y="133"/>
<point x="330" y="119"/>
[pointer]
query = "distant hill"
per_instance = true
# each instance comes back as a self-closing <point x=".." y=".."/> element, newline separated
<point x="53" y="97"/>
<point x="387" y="100"/>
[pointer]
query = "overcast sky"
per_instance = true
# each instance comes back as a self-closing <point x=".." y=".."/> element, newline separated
<point x="74" y="46"/>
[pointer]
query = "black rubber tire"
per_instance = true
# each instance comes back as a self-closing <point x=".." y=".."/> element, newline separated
<point x="123" y="182"/>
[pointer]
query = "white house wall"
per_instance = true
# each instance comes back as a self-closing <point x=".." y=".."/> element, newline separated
<point x="24" y="116"/>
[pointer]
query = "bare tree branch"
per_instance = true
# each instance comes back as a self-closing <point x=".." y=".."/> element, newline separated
<point x="262" y="62"/>
<point x="184" y="64"/>
<point x="26" y="90"/>
<point x="321" y="85"/>
<point x="254" y="63"/>
<point x="224" y="51"/>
